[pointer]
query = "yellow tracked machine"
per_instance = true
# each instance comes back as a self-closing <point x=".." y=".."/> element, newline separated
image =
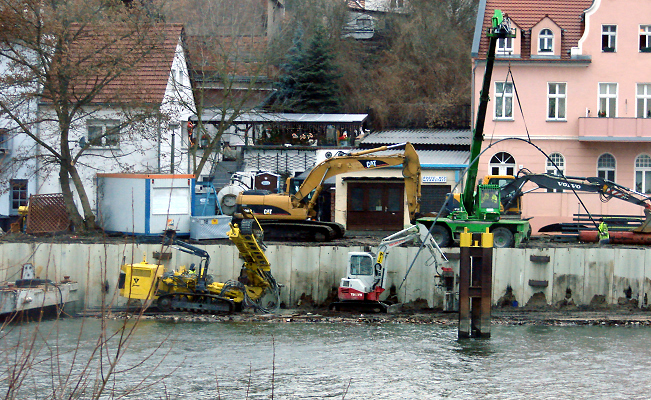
<point x="192" y="289"/>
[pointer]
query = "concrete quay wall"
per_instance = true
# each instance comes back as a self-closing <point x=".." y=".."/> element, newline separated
<point x="313" y="272"/>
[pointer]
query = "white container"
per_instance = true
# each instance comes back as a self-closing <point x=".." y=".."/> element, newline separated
<point x="210" y="227"/>
<point x="145" y="204"/>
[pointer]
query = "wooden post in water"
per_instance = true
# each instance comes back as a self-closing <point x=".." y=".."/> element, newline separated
<point x="475" y="284"/>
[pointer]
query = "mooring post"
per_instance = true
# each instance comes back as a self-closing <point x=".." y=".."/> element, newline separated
<point x="475" y="284"/>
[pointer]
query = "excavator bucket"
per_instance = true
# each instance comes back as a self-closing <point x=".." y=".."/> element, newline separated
<point x="646" y="225"/>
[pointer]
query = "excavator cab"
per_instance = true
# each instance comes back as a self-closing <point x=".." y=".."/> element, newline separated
<point x="488" y="207"/>
<point x="361" y="278"/>
<point x="515" y="209"/>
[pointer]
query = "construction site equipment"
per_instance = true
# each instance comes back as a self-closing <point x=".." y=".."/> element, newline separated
<point x="241" y="181"/>
<point x="192" y="289"/>
<point x="480" y="210"/>
<point x="366" y="274"/>
<point x="292" y="214"/>
<point x="475" y="284"/>
<point x="513" y="191"/>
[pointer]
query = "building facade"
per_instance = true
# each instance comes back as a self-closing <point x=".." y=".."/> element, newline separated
<point x="570" y="94"/>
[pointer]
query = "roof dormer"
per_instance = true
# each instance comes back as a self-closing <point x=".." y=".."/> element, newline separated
<point x="546" y="39"/>
<point x="510" y="47"/>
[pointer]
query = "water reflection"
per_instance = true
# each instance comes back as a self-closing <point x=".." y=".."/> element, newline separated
<point x="474" y="347"/>
<point x="388" y="361"/>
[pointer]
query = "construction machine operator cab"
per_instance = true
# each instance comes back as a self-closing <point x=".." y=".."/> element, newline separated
<point x="361" y="274"/>
<point x="489" y="202"/>
<point x="361" y="264"/>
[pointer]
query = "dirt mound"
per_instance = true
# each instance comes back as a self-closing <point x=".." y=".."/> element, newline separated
<point x="537" y="301"/>
<point x="418" y="304"/>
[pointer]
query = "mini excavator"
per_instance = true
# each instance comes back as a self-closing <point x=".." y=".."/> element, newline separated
<point x="366" y="276"/>
<point x="192" y="289"/>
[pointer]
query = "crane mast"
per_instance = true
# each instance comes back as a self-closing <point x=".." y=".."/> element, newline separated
<point x="501" y="29"/>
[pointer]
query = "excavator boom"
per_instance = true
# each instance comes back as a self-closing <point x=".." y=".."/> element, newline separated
<point x="194" y="290"/>
<point x="511" y="192"/>
<point x="293" y="216"/>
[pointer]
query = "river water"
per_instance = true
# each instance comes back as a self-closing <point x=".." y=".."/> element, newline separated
<point x="249" y="360"/>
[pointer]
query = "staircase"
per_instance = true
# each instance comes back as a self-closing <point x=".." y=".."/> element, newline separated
<point x="221" y="173"/>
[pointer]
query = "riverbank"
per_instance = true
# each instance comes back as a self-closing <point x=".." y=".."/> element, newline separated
<point x="610" y="317"/>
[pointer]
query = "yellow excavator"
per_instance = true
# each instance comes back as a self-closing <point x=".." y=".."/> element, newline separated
<point x="292" y="214"/>
<point x="192" y="289"/>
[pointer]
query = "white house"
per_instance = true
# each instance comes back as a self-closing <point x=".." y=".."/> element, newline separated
<point x="16" y="180"/>
<point x="142" y="132"/>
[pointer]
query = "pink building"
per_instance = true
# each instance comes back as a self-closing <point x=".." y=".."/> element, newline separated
<point x="579" y="88"/>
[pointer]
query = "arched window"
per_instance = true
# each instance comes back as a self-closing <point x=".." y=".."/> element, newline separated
<point x="606" y="167"/>
<point x="643" y="174"/>
<point x="546" y="41"/>
<point x="555" y="166"/>
<point x="502" y="163"/>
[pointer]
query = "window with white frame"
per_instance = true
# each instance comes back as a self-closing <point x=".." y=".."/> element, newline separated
<point x="608" y="38"/>
<point x="555" y="166"/>
<point x="645" y="38"/>
<point x="503" y="100"/>
<point x="104" y="133"/>
<point x="546" y="41"/>
<point x="18" y="194"/>
<point x="643" y="100"/>
<point x="556" y="96"/>
<point x="504" y="46"/>
<point x="608" y="100"/>
<point x="606" y="167"/>
<point x="502" y="163"/>
<point x="643" y="174"/>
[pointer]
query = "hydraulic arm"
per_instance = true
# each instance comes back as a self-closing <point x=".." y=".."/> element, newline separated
<point x="192" y="289"/>
<point x="292" y="215"/>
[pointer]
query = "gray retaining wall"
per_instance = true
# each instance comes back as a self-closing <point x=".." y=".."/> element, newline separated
<point x="315" y="271"/>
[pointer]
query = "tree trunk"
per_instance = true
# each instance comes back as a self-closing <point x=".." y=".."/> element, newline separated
<point x="89" y="216"/>
<point x="68" y="198"/>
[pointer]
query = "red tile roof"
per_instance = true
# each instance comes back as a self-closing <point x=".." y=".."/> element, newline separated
<point x="147" y="59"/>
<point x="240" y="55"/>
<point x="356" y="4"/>
<point x="527" y="13"/>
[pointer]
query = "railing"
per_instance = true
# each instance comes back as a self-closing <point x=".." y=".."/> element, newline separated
<point x="615" y="129"/>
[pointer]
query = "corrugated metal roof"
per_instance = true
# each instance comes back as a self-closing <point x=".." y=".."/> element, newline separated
<point x="419" y="136"/>
<point x="443" y="158"/>
<point x="301" y="118"/>
<point x="436" y="158"/>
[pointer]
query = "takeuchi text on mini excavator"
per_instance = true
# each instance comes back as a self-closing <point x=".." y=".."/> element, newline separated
<point x="480" y="210"/>
<point x="366" y="276"/>
<point x="192" y="289"/>
<point x="292" y="215"/>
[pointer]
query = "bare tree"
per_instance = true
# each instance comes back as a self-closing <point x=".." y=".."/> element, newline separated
<point x="415" y="71"/>
<point x="67" y="56"/>
<point x="230" y="46"/>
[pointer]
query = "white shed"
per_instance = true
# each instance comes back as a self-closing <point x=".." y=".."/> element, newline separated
<point x="145" y="204"/>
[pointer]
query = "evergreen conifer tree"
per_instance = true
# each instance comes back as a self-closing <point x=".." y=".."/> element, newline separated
<point x="309" y="82"/>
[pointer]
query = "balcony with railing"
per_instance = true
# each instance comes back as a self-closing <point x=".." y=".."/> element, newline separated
<point x="602" y="129"/>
